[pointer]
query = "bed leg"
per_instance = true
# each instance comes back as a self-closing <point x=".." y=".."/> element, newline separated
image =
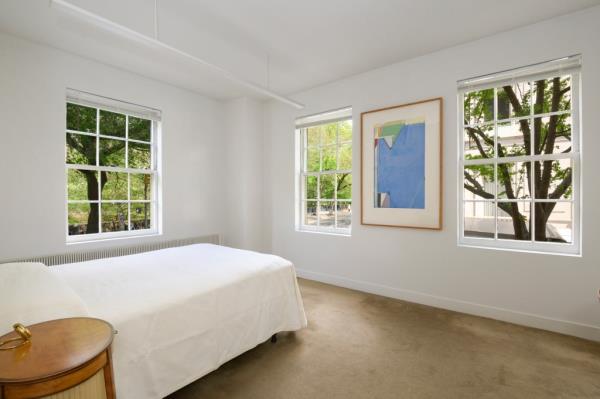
<point x="274" y="338"/>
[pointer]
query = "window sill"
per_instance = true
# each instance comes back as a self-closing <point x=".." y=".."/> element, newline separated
<point x="544" y="249"/>
<point x="347" y="233"/>
<point x="99" y="238"/>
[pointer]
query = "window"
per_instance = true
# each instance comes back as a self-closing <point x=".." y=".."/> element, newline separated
<point x="520" y="159"/>
<point x="324" y="145"/>
<point x="111" y="168"/>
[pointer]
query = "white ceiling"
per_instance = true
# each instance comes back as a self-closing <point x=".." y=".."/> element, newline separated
<point x="307" y="42"/>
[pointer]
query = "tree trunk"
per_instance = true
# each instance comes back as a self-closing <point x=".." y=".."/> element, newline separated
<point x="93" y="222"/>
<point x="519" y="223"/>
<point x="92" y="193"/>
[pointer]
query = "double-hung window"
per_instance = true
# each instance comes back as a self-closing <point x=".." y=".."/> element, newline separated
<point x="111" y="167"/>
<point x="520" y="158"/>
<point x="324" y="181"/>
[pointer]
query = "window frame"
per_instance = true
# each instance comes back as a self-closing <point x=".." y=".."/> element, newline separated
<point x="302" y="173"/>
<point x="573" y="248"/>
<point x="154" y="170"/>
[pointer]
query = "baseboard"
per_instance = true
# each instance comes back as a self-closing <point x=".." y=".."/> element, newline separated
<point x="526" y="319"/>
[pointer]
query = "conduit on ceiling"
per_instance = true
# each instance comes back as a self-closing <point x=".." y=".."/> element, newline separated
<point x="130" y="34"/>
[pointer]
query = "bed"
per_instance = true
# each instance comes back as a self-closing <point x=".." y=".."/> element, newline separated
<point x="182" y="312"/>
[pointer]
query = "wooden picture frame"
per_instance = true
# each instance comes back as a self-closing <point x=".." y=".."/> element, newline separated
<point x="401" y="165"/>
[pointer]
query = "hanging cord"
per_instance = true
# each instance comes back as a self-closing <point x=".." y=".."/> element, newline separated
<point x="156" y="19"/>
<point x="268" y="71"/>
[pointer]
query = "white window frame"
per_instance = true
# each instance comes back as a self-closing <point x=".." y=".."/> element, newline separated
<point x="129" y="110"/>
<point x="566" y="66"/>
<point x="302" y="124"/>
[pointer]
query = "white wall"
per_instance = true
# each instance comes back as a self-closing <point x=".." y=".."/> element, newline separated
<point x="244" y="160"/>
<point x="553" y="292"/>
<point x="33" y="79"/>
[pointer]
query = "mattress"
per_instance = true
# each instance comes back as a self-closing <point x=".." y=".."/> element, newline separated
<point x="182" y="312"/>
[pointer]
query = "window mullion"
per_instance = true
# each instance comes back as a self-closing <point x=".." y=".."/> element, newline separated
<point x="99" y="173"/>
<point x="532" y="164"/>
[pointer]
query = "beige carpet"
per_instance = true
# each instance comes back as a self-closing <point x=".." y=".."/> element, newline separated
<point x="365" y="346"/>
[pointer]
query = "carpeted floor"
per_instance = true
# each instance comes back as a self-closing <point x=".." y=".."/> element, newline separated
<point x="359" y="345"/>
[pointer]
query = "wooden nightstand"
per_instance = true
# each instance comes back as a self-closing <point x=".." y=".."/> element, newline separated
<point x="66" y="358"/>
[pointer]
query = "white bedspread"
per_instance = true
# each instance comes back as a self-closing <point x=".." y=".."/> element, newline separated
<point x="182" y="312"/>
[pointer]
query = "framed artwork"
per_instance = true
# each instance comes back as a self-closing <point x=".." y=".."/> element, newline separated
<point x="401" y="175"/>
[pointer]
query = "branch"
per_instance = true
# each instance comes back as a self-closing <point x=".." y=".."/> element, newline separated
<point x="564" y="185"/>
<point x="472" y="133"/>
<point x="476" y="188"/>
<point x="516" y="104"/>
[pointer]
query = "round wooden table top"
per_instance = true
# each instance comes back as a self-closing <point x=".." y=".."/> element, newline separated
<point x="56" y="347"/>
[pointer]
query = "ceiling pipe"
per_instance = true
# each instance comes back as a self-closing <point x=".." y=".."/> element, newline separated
<point x="106" y="24"/>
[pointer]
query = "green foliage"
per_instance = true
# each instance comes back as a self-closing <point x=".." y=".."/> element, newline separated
<point x="141" y="185"/>
<point x="112" y="124"/>
<point x="78" y="187"/>
<point x="327" y="186"/>
<point x="329" y="148"/>
<point x="139" y="156"/>
<point x="114" y="186"/>
<point x="80" y="118"/>
<point x="479" y="106"/>
<point x="140" y="129"/>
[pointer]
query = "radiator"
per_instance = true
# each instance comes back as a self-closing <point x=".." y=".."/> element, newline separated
<point x="74" y="257"/>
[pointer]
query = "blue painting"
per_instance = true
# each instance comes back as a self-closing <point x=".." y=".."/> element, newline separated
<point x="400" y="164"/>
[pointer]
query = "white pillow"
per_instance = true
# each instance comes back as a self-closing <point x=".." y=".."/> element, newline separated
<point x="30" y="293"/>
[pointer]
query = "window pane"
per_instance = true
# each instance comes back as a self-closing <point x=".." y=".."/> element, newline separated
<point x="513" y="181"/>
<point x="329" y="158"/>
<point x="313" y="136"/>
<point x="114" y="186"/>
<point x="83" y="219"/>
<point x="329" y="134"/>
<point x="479" y="182"/>
<point x="141" y="215"/>
<point x="141" y="186"/>
<point x="511" y="138"/>
<point x="344" y="185"/>
<point x="552" y="95"/>
<point x="310" y="213"/>
<point x="554" y="179"/>
<point x="310" y="187"/>
<point x="82" y="185"/>
<point x="80" y="118"/>
<point x="140" y="156"/>
<point x="345" y="157"/>
<point x="140" y="129"/>
<point x="552" y="134"/>
<point x="326" y="214"/>
<point x="346" y="131"/>
<point x="81" y="150"/>
<point x="112" y="152"/>
<point x="554" y="222"/>
<point x="479" y="106"/>
<point x="514" y="220"/>
<point x="112" y="124"/>
<point x="114" y="216"/>
<point x="479" y="142"/>
<point x="479" y="219"/>
<point x="514" y="100"/>
<point x="344" y="214"/>
<point x="327" y="186"/>
<point x="311" y="163"/>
